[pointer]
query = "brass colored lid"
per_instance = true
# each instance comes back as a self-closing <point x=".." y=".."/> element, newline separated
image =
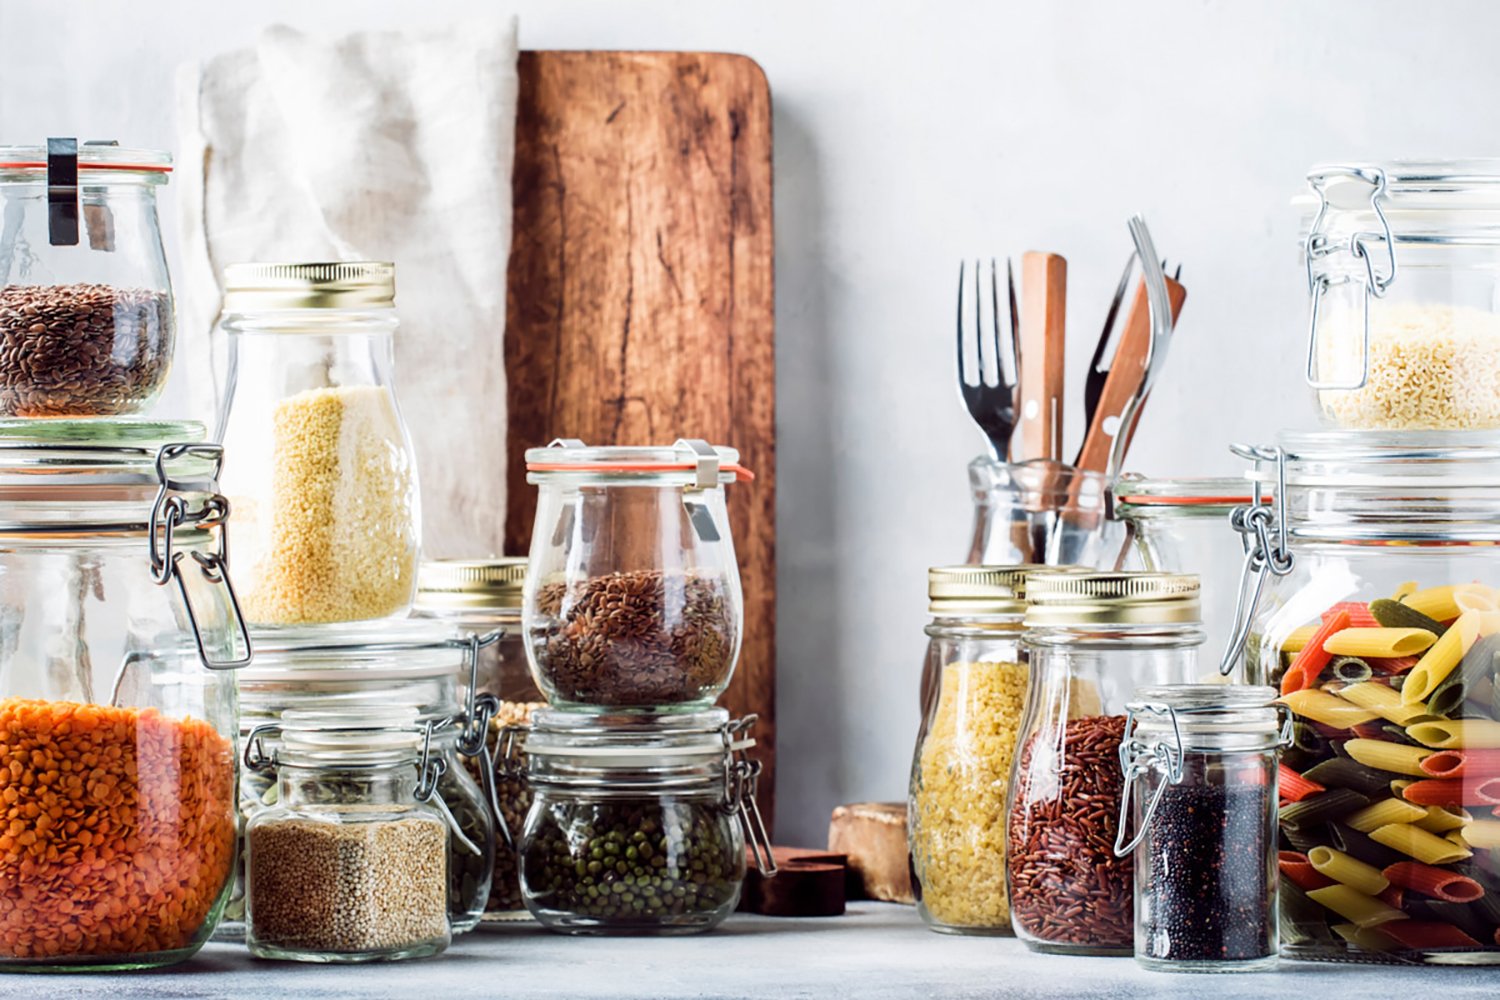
<point x="1112" y="599"/>
<point x="979" y="590"/>
<point x="357" y="284"/>
<point x="455" y="584"/>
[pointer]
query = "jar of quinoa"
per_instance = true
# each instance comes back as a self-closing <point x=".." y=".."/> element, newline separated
<point x="117" y="704"/>
<point x="321" y="469"/>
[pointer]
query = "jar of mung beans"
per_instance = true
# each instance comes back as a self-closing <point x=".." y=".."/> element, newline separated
<point x="639" y="824"/>
<point x="350" y="864"/>
<point x="483" y="597"/>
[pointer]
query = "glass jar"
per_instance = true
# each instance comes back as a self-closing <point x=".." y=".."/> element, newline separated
<point x="419" y="663"/>
<point x="1040" y="512"/>
<point x="1199" y="764"/>
<point x="1403" y="272"/>
<point x="1091" y="640"/>
<point x="639" y="824"/>
<point x="117" y="708"/>
<point x="321" y="469"/>
<point x="643" y="533"/>
<point x="972" y="707"/>
<point x="86" y="315"/>
<point x="480" y="597"/>
<point x="1178" y="526"/>
<point x="349" y="864"/>
<point x="1377" y="621"/>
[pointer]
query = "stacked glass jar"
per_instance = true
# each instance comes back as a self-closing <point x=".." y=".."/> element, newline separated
<point x="328" y="534"/>
<point x="1372" y="584"/>
<point x="122" y="629"/>
<point x="643" y="791"/>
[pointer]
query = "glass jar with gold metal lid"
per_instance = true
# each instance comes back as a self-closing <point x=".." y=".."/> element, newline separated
<point x="483" y="597"/>
<point x="320" y="470"/>
<point x="1091" y="640"/>
<point x="974" y="689"/>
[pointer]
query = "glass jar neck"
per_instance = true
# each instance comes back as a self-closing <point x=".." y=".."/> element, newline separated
<point x="1179" y="636"/>
<point x="959" y="626"/>
<point x="324" y="785"/>
<point x="584" y="775"/>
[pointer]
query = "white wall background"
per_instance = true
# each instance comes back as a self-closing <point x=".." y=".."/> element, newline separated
<point x="908" y="135"/>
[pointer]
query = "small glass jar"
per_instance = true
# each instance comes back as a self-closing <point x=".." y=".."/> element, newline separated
<point x="1377" y="620"/>
<point x="1403" y="274"/>
<point x="972" y="706"/>
<point x="357" y="668"/>
<point x="321" y="470"/>
<point x="350" y="863"/>
<point x="86" y="315"/>
<point x="633" y="597"/>
<point x="480" y="597"/>
<point x="1091" y="639"/>
<point x="117" y="708"/>
<point x="1040" y="512"/>
<point x="1178" y="526"/>
<point x="1199" y="763"/>
<point x="639" y="824"/>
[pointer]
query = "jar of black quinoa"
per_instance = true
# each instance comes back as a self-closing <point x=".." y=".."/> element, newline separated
<point x="638" y="823"/>
<point x="1199" y="763"/>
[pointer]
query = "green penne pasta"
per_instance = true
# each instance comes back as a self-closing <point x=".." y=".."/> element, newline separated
<point x="1357" y="845"/>
<point x="1305" y="737"/>
<point x="1304" y="838"/>
<point x="1394" y="614"/>
<point x="1302" y="920"/>
<point x="1351" y="669"/>
<point x="1477" y="665"/>
<point x="1340" y="772"/>
<point x="1322" y="808"/>
<point x="1467" y="917"/>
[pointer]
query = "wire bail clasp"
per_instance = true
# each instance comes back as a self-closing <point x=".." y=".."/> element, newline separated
<point x="1139" y="758"/>
<point x="1263" y="531"/>
<point x="741" y="776"/>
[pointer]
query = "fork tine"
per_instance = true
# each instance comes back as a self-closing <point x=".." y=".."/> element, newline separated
<point x="995" y="323"/>
<point x="962" y="373"/>
<point x="1015" y="323"/>
<point x="1178" y="275"/>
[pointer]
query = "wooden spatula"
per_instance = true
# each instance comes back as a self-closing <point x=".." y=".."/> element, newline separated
<point x="1044" y="290"/>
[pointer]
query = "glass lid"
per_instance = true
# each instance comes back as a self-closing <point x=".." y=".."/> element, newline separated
<point x="612" y="739"/>
<point x="1412" y="461"/>
<point x="1433" y="202"/>
<point x="99" y="163"/>
<point x="1138" y="491"/>
<point x="689" y="460"/>
<point x="357" y="653"/>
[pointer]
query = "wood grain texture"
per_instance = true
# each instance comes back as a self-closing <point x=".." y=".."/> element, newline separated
<point x="1044" y="297"/>
<point x="640" y="291"/>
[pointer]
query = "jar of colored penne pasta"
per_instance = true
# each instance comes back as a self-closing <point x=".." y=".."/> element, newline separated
<point x="1092" y="640"/>
<point x="1378" y="621"/>
<point x="1199" y="820"/>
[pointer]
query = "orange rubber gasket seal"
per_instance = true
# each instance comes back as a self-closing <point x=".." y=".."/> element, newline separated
<point x="142" y="167"/>
<point x="740" y="472"/>
<point x="1154" y="501"/>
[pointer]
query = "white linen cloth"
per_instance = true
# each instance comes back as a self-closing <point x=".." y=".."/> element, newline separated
<point x="373" y="146"/>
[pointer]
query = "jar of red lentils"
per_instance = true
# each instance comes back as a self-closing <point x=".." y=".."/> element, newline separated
<point x="117" y="706"/>
<point x="321" y="469"/>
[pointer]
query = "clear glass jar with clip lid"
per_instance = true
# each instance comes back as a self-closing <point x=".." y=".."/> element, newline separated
<point x="424" y="664"/>
<point x="321" y="469"/>
<point x="1374" y="606"/>
<point x="973" y="693"/>
<point x="1403" y="275"/>
<point x="1199" y="763"/>
<point x="1092" y="640"/>
<point x="639" y="824"/>
<point x="480" y="597"/>
<point x="86" y="316"/>
<point x="350" y="864"/>
<point x="117" y="708"/>
<point x="633" y="597"/>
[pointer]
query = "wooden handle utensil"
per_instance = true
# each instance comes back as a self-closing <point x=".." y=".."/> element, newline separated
<point x="1044" y="289"/>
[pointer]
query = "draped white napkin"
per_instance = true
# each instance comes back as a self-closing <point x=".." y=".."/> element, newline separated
<point x="373" y="146"/>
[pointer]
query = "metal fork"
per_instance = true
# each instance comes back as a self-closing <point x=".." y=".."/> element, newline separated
<point x="1093" y="385"/>
<point x="991" y="403"/>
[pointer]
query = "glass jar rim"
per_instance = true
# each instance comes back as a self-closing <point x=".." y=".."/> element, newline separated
<point x="607" y="740"/>
<point x="101" y="164"/>
<point x="1192" y="494"/>
<point x="1428" y="202"/>
<point x="679" y="463"/>
<point x="361" y="655"/>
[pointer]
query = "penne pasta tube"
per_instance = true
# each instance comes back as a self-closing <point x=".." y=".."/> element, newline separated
<point x="1379" y="642"/>
<point x="1476" y="597"/>
<point x="1384" y="701"/>
<point x="1298" y="638"/>
<point x="1417" y="843"/>
<point x="1385" y="812"/>
<point x="1367" y="938"/>
<point x="1441" y="658"/>
<point x="1481" y="835"/>
<point x="1434" y="882"/>
<point x="1403" y="591"/>
<point x="1357" y="908"/>
<point x="1457" y="734"/>
<point x="1331" y="710"/>
<point x="1436" y="603"/>
<point x="1462" y="763"/>
<point x="1395" y="757"/>
<point x="1348" y="871"/>
<point x="1441" y="819"/>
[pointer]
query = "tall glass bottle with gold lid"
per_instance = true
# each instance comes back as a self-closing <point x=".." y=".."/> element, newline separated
<point x="320" y="466"/>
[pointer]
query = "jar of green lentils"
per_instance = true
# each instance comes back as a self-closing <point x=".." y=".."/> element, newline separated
<point x="638" y="823"/>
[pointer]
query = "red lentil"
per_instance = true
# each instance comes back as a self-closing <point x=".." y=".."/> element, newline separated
<point x="116" y="829"/>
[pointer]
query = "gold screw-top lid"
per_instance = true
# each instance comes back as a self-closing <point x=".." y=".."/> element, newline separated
<point x="456" y="584"/>
<point x="1112" y="599"/>
<point x="355" y="284"/>
<point x="979" y="590"/>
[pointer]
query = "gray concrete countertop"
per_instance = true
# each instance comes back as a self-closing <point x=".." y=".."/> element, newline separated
<point x="876" y="951"/>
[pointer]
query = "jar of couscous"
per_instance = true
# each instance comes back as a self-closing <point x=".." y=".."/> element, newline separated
<point x="972" y="703"/>
<point x="117" y="703"/>
<point x="320" y="470"/>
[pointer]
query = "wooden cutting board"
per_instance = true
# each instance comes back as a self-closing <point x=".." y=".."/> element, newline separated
<point x="640" y="291"/>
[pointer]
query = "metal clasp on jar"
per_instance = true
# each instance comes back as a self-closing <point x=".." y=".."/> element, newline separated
<point x="430" y="767"/>
<point x="741" y="775"/>
<point x="1266" y="553"/>
<point x="174" y="509"/>
<point x="1321" y="247"/>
